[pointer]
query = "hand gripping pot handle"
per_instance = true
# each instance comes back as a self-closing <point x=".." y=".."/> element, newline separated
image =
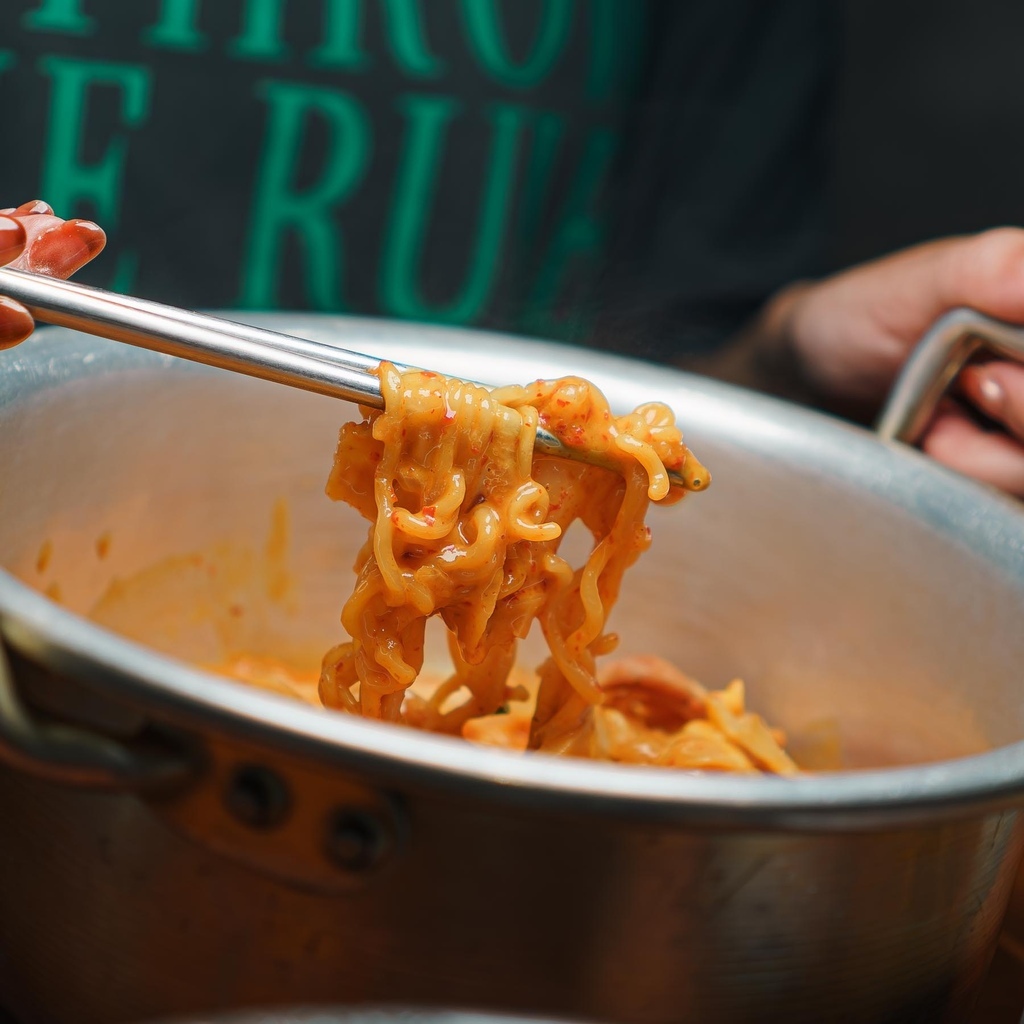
<point x="85" y="759"/>
<point x="935" y="363"/>
<point x="77" y="757"/>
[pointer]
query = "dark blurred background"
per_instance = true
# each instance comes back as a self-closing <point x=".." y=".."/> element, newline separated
<point x="930" y="133"/>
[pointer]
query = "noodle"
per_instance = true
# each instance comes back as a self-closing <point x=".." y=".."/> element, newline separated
<point x="466" y="522"/>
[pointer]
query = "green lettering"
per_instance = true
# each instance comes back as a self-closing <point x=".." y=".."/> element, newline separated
<point x="176" y="29"/>
<point x="280" y="209"/>
<point x="547" y="137"/>
<point x="66" y="181"/>
<point x="261" y="32"/>
<point x="429" y="117"/>
<point x="126" y="270"/>
<point x="616" y="35"/>
<point x="487" y="41"/>
<point x="408" y="41"/>
<point x="7" y="60"/>
<point x="578" y="236"/>
<point x="59" y="15"/>
<point x="64" y="16"/>
<point x="602" y="48"/>
<point x="343" y="30"/>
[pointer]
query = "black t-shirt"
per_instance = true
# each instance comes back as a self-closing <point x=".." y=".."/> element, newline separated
<point x="629" y="174"/>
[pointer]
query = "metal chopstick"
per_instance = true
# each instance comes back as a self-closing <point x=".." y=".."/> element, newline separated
<point x="301" y="346"/>
<point x="281" y="358"/>
<point x="268" y="355"/>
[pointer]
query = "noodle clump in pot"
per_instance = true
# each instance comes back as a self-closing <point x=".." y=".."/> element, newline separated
<point x="466" y="520"/>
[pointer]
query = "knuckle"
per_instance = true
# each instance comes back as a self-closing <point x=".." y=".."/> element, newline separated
<point x="998" y="250"/>
<point x="971" y="267"/>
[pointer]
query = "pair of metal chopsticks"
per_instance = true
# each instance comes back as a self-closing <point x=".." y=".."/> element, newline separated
<point x="282" y="358"/>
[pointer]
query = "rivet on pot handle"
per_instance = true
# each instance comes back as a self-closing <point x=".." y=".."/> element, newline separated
<point x="65" y="754"/>
<point x="934" y="364"/>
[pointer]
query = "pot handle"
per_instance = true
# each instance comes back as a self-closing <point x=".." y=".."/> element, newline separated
<point x="72" y="756"/>
<point x="934" y="364"/>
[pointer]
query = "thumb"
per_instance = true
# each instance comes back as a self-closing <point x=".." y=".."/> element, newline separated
<point x="12" y="239"/>
<point x="985" y="272"/>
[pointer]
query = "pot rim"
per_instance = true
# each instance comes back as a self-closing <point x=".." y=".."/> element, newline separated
<point x="75" y="647"/>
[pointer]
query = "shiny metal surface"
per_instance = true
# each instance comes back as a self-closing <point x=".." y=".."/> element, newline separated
<point x="242" y="348"/>
<point x="934" y="365"/>
<point x="367" y="1015"/>
<point x="213" y="341"/>
<point x="81" y="757"/>
<point x="825" y="567"/>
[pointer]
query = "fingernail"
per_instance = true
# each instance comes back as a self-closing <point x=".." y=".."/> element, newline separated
<point x="991" y="392"/>
<point x="15" y="323"/>
<point x="12" y="240"/>
<point x="60" y="251"/>
<point x="33" y="207"/>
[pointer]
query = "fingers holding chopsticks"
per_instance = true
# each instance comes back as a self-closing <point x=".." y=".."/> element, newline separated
<point x="33" y="239"/>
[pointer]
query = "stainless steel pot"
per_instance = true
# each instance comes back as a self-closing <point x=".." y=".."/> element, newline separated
<point x="175" y="843"/>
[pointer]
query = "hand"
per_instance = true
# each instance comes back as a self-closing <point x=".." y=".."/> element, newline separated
<point x="32" y="238"/>
<point x="851" y="333"/>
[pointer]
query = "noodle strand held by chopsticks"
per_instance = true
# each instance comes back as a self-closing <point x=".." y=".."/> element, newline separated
<point x="466" y="522"/>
